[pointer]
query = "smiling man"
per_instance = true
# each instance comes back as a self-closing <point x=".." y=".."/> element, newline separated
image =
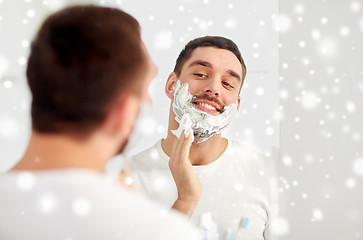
<point x="225" y="187"/>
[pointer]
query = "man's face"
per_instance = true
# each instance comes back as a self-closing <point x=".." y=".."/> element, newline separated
<point x="214" y="78"/>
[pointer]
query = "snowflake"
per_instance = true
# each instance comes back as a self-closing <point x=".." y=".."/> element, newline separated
<point x="328" y="47"/>
<point x="238" y="187"/>
<point x="358" y="166"/>
<point x="269" y="131"/>
<point x="350" y="183"/>
<point x="309" y="100"/>
<point x="4" y="65"/>
<point x="231" y="23"/>
<point x="147" y="125"/>
<point x="283" y="23"/>
<point x="355" y="6"/>
<point x="280" y="227"/>
<point x="8" y="84"/>
<point x="344" y="31"/>
<point x="25" y="43"/>
<point x="299" y="8"/>
<point x="324" y="20"/>
<point x="287" y="160"/>
<point x="81" y="207"/>
<point x="30" y="13"/>
<point x="302" y="44"/>
<point x="47" y="203"/>
<point x="351" y="108"/>
<point x="163" y="40"/>
<point x="317" y="215"/>
<point x="315" y="33"/>
<point x="260" y="91"/>
<point x="9" y="128"/>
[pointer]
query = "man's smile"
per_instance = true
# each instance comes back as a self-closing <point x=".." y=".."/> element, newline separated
<point x="208" y="106"/>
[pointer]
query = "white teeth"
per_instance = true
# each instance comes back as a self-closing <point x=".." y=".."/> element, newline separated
<point x="207" y="106"/>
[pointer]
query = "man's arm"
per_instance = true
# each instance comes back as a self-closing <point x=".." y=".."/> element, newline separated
<point x="187" y="182"/>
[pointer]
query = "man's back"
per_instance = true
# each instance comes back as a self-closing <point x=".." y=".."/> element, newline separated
<point x="84" y="105"/>
<point x="80" y="204"/>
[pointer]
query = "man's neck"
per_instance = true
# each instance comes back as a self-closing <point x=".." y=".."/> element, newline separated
<point x="200" y="153"/>
<point x="50" y="151"/>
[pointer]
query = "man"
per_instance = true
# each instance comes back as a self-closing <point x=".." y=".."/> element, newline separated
<point x="88" y="73"/>
<point x="236" y="189"/>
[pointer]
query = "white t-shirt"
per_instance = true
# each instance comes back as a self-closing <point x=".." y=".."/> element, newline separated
<point x="80" y="204"/>
<point x="238" y="189"/>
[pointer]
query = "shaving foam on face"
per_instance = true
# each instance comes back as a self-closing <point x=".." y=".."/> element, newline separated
<point x="186" y="126"/>
<point x="203" y="124"/>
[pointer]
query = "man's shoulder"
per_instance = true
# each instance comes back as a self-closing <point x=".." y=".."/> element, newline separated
<point x="245" y="149"/>
<point x="151" y="156"/>
<point x="95" y="199"/>
<point x="249" y="155"/>
<point x="259" y="167"/>
<point x="148" y="152"/>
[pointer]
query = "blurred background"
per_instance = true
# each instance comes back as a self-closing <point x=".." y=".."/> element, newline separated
<point x="301" y="102"/>
<point x="321" y="97"/>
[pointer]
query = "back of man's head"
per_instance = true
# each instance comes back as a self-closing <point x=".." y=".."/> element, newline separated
<point x="81" y="60"/>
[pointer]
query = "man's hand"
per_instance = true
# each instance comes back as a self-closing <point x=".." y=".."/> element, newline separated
<point x="187" y="182"/>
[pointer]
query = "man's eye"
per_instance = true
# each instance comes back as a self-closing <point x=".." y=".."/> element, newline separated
<point x="227" y="84"/>
<point x="200" y="75"/>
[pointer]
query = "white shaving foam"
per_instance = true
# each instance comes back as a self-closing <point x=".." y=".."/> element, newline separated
<point x="186" y="126"/>
<point x="203" y="124"/>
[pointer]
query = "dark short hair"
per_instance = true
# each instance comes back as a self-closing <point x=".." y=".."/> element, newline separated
<point x="81" y="60"/>
<point x="209" y="41"/>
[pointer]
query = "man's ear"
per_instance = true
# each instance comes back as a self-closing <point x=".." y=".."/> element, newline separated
<point x="238" y="102"/>
<point x="170" y="85"/>
<point x="122" y="115"/>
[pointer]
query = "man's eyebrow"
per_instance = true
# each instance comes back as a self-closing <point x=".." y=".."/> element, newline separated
<point x="234" y="74"/>
<point x="200" y="62"/>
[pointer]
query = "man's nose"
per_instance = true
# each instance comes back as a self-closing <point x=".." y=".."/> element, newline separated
<point x="208" y="91"/>
<point x="212" y="88"/>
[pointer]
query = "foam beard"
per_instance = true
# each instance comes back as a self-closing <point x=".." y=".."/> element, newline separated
<point x="203" y="124"/>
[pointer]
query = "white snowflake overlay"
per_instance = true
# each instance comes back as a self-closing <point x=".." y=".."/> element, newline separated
<point x="303" y="94"/>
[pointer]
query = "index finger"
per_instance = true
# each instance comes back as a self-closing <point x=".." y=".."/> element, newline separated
<point x="183" y="144"/>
